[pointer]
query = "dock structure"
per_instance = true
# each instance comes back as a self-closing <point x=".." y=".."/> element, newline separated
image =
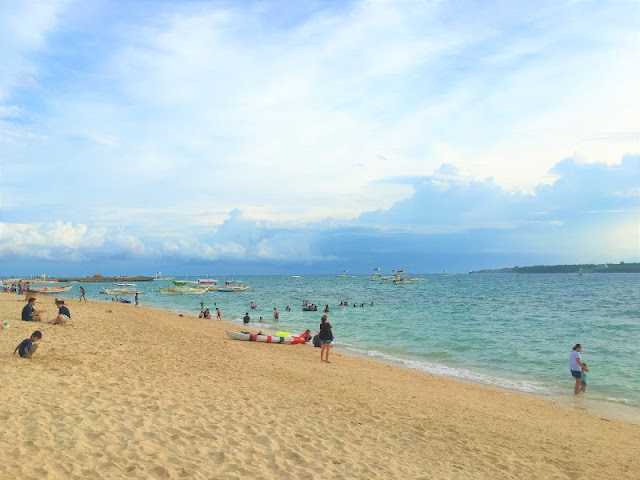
<point x="94" y="279"/>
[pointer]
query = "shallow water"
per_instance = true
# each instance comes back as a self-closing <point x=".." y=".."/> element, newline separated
<point x="506" y="330"/>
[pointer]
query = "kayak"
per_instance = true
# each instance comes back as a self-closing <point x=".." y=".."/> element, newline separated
<point x="264" y="338"/>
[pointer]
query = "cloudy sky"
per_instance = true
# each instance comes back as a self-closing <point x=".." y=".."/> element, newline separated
<point x="296" y="137"/>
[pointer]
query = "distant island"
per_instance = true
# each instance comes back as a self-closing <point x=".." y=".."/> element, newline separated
<point x="621" y="267"/>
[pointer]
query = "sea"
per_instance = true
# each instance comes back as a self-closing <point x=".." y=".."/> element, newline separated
<point x="510" y="331"/>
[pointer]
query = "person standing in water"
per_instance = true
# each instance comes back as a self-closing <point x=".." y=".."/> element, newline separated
<point x="326" y="336"/>
<point x="576" y="367"/>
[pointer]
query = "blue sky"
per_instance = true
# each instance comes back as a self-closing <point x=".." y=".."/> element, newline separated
<point x="269" y="137"/>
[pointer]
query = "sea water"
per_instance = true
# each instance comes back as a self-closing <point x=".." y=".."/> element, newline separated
<point x="505" y="330"/>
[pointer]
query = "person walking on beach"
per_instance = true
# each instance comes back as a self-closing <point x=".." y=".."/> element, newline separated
<point x="218" y="314"/>
<point x="137" y="300"/>
<point x="82" y="295"/>
<point x="326" y="336"/>
<point x="29" y="312"/>
<point x="575" y="365"/>
<point x="64" y="315"/>
<point x="28" y="346"/>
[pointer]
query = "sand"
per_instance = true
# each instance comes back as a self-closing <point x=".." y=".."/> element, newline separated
<point x="138" y="393"/>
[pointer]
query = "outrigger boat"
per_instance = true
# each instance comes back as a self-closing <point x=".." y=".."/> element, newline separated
<point x="182" y="291"/>
<point x="50" y="289"/>
<point x="232" y="288"/>
<point x="399" y="278"/>
<point x="122" y="289"/>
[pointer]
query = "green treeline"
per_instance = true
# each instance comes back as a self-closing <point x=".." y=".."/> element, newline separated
<point x="582" y="268"/>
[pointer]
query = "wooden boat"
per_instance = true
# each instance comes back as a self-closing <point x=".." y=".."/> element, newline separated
<point x="264" y="338"/>
<point x="183" y="291"/>
<point x="50" y="289"/>
<point x="120" y="291"/>
<point x="160" y="278"/>
<point x="232" y="288"/>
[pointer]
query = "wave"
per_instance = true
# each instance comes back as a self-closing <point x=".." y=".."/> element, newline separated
<point x="526" y="386"/>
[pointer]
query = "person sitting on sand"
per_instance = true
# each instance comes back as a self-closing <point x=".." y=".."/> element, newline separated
<point x="207" y="313"/>
<point x="29" y="312"/>
<point x="201" y="314"/>
<point x="28" y="346"/>
<point x="64" y="315"/>
<point x="306" y="336"/>
<point x="246" y="318"/>
<point x="583" y="379"/>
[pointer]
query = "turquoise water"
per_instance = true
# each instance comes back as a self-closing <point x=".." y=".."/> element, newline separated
<point x="510" y="331"/>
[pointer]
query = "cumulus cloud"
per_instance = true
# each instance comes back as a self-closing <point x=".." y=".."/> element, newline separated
<point x="451" y="221"/>
<point x="195" y="130"/>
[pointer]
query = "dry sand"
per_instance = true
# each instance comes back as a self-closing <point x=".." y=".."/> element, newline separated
<point x="140" y="393"/>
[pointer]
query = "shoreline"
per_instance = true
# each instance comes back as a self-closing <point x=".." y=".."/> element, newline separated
<point x="595" y="406"/>
<point x="144" y="393"/>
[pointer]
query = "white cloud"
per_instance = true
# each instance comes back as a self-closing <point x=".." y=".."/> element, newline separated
<point x="163" y="121"/>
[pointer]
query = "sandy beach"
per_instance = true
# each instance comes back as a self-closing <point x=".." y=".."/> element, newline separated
<point x="130" y="392"/>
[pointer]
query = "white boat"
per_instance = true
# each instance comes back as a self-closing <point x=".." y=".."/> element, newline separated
<point x="345" y="274"/>
<point x="232" y="288"/>
<point x="50" y="289"/>
<point x="160" y="278"/>
<point x="399" y="278"/>
<point x="296" y="276"/>
<point x="120" y="291"/>
<point x="183" y="291"/>
<point x="377" y="276"/>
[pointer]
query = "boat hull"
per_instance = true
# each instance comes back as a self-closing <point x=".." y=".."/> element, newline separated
<point x="53" y="290"/>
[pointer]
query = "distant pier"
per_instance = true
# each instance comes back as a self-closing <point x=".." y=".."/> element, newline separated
<point x="101" y="279"/>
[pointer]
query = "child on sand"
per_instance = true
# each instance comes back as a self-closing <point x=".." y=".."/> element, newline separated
<point x="64" y="315"/>
<point x="583" y="379"/>
<point x="28" y="346"/>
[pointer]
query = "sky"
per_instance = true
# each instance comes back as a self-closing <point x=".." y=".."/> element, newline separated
<point x="267" y="137"/>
